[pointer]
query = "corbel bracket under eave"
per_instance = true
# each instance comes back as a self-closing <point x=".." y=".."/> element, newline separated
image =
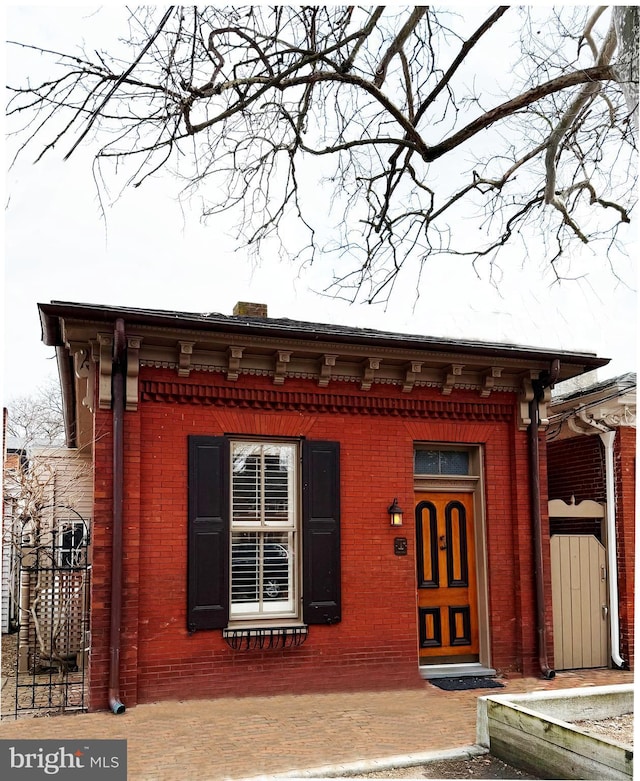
<point x="451" y="374"/>
<point x="580" y="426"/>
<point x="234" y="355"/>
<point x="369" y="367"/>
<point x="81" y="359"/>
<point x="282" y="359"/>
<point x="327" y="362"/>
<point x="133" y="370"/>
<point x="489" y="378"/>
<point x="83" y="371"/>
<point x="525" y="397"/>
<point x="185" y="352"/>
<point x="103" y="353"/>
<point x="105" y="366"/>
<point x="413" y="370"/>
<point x="543" y="408"/>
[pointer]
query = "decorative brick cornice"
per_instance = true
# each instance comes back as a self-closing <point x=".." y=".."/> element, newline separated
<point x="400" y="371"/>
<point x="315" y="402"/>
<point x="323" y="377"/>
<point x="344" y="367"/>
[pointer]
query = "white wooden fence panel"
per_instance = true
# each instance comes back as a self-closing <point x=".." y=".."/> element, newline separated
<point x="579" y="594"/>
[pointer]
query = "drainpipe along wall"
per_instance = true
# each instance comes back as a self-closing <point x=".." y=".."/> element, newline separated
<point x="539" y="386"/>
<point x="608" y="438"/>
<point x="118" y="379"/>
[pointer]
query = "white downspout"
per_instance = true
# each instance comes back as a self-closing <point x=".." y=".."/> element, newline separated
<point x="608" y="438"/>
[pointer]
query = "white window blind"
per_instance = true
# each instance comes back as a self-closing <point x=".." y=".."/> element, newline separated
<point x="263" y="529"/>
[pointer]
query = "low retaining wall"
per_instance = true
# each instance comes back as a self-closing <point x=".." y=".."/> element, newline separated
<point x="532" y="732"/>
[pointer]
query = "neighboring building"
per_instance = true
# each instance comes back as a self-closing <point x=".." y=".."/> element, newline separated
<point x="247" y="471"/>
<point x="12" y="461"/>
<point x="591" y="451"/>
<point x="47" y="505"/>
<point x="51" y="566"/>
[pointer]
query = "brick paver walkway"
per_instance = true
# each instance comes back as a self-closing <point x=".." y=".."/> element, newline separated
<point x="240" y="738"/>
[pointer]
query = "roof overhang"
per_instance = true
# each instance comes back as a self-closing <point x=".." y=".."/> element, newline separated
<point x="280" y="348"/>
<point x="600" y="407"/>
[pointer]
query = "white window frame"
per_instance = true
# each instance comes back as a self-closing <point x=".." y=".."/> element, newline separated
<point x="250" y="531"/>
<point x="77" y="553"/>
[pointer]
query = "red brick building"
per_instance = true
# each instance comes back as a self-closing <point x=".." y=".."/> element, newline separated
<point x="247" y="474"/>
<point x="591" y="451"/>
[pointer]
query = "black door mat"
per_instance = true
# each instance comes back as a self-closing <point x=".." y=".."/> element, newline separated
<point x="467" y="682"/>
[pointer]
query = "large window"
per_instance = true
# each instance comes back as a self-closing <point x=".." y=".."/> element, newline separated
<point x="264" y="533"/>
<point x="264" y="529"/>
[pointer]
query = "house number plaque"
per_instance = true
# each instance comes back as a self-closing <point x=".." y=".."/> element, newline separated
<point x="400" y="546"/>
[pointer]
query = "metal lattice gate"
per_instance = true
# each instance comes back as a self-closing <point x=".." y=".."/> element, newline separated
<point x="50" y="649"/>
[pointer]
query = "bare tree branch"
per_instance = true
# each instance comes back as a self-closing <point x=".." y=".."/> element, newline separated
<point x="120" y="80"/>
<point x="568" y="119"/>
<point x="38" y="417"/>
<point x="391" y="116"/>
<point x="396" y="46"/>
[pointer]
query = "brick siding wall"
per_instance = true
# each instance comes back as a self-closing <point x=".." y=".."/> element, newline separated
<point x="375" y="644"/>
<point x="576" y="468"/>
<point x="625" y="467"/>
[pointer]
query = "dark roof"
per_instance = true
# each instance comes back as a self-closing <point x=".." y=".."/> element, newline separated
<point x="296" y="329"/>
<point x="621" y="384"/>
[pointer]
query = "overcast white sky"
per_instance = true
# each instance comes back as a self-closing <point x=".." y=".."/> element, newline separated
<point x="152" y="254"/>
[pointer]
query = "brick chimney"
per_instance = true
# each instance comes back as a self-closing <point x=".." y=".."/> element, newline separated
<point x="248" y="309"/>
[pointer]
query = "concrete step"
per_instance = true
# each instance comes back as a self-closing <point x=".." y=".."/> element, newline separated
<point x="455" y="671"/>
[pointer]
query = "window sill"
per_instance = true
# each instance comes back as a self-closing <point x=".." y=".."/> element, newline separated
<point x="268" y="637"/>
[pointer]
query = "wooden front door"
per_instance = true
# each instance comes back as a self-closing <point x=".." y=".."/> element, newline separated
<point x="447" y="586"/>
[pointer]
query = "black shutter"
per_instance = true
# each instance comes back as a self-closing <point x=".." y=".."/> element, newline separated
<point x="208" y="554"/>
<point x="321" y="532"/>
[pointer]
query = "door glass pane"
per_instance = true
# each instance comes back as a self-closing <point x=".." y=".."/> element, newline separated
<point x="426" y="462"/>
<point x="454" y="462"/>
<point x="441" y="462"/>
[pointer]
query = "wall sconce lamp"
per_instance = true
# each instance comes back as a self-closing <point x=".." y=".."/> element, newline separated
<point x="395" y="513"/>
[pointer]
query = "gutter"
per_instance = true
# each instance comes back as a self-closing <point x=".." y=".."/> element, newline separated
<point x="118" y="378"/>
<point x="68" y="390"/>
<point x="546" y="380"/>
